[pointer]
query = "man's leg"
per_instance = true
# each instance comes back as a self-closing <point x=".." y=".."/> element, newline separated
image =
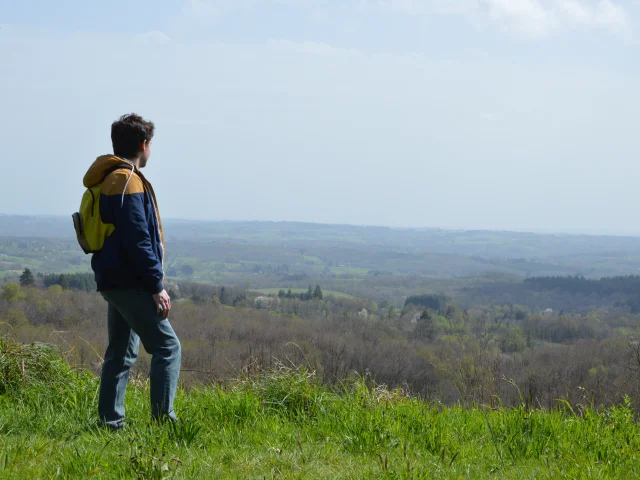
<point x="159" y="340"/>
<point x="120" y="356"/>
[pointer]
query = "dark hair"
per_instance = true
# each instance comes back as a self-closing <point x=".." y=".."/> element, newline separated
<point x="128" y="133"/>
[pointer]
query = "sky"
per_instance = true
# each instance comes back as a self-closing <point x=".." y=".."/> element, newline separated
<point x="479" y="114"/>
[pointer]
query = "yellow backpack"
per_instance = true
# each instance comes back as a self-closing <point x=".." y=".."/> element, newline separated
<point x="90" y="230"/>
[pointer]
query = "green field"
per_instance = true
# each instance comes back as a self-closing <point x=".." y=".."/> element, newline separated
<point x="284" y="424"/>
<point x="327" y="293"/>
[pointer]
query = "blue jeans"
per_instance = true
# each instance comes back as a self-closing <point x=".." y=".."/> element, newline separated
<point x="132" y="318"/>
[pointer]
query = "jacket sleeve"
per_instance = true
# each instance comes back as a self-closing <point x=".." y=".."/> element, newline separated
<point x="131" y="224"/>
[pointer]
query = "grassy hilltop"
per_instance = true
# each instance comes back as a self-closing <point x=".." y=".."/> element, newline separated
<point x="284" y="424"/>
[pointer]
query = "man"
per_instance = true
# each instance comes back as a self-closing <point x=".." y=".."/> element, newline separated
<point x="129" y="274"/>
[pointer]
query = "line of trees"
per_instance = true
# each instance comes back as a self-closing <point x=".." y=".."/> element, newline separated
<point x="586" y="286"/>
<point x="310" y="294"/>
<point x="434" y="302"/>
<point x="68" y="281"/>
<point x="71" y="281"/>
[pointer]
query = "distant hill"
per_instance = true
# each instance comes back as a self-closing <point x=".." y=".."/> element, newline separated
<point x="279" y="254"/>
<point x="39" y="226"/>
<point x="473" y="243"/>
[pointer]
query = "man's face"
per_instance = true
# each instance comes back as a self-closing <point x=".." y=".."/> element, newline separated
<point x="146" y="153"/>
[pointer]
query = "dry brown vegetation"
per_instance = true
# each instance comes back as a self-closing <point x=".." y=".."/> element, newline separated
<point x="488" y="355"/>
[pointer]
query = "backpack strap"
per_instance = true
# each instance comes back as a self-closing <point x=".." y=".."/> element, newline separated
<point x="128" y="166"/>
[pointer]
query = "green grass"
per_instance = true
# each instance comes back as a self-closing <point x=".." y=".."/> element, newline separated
<point x="283" y="424"/>
<point x="356" y="272"/>
<point x="313" y="260"/>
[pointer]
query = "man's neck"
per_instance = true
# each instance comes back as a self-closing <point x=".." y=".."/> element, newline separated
<point x="135" y="161"/>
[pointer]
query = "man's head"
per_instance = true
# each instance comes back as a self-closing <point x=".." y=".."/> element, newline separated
<point x="131" y="136"/>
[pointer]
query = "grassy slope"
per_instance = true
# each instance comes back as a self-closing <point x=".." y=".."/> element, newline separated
<point x="283" y="425"/>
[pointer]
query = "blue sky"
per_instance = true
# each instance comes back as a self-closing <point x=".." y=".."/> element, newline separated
<point x="506" y="114"/>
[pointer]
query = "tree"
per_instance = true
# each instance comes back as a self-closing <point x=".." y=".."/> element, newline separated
<point x="64" y="282"/>
<point x="12" y="292"/>
<point x="240" y="301"/>
<point x="450" y="311"/>
<point x="318" y="293"/>
<point x="391" y="313"/>
<point x="54" y="291"/>
<point x="309" y="293"/>
<point x="15" y="318"/>
<point x="512" y="340"/>
<point x="425" y="328"/>
<point x="224" y="298"/>
<point x="26" y="279"/>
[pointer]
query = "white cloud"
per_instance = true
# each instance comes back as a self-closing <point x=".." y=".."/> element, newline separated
<point x="530" y="17"/>
<point x="536" y="18"/>
<point x="543" y="18"/>
<point x="527" y="16"/>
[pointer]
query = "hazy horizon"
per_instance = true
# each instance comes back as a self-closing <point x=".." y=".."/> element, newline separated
<point x="393" y="227"/>
<point x="465" y="114"/>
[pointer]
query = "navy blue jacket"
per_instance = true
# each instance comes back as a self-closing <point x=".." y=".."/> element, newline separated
<point x="132" y="256"/>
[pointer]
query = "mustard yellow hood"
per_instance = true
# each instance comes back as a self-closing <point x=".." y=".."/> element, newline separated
<point x="97" y="170"/>
<point x="103" y="164"/>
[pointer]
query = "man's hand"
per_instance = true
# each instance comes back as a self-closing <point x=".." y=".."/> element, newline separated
<point x="163" y="302"/>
